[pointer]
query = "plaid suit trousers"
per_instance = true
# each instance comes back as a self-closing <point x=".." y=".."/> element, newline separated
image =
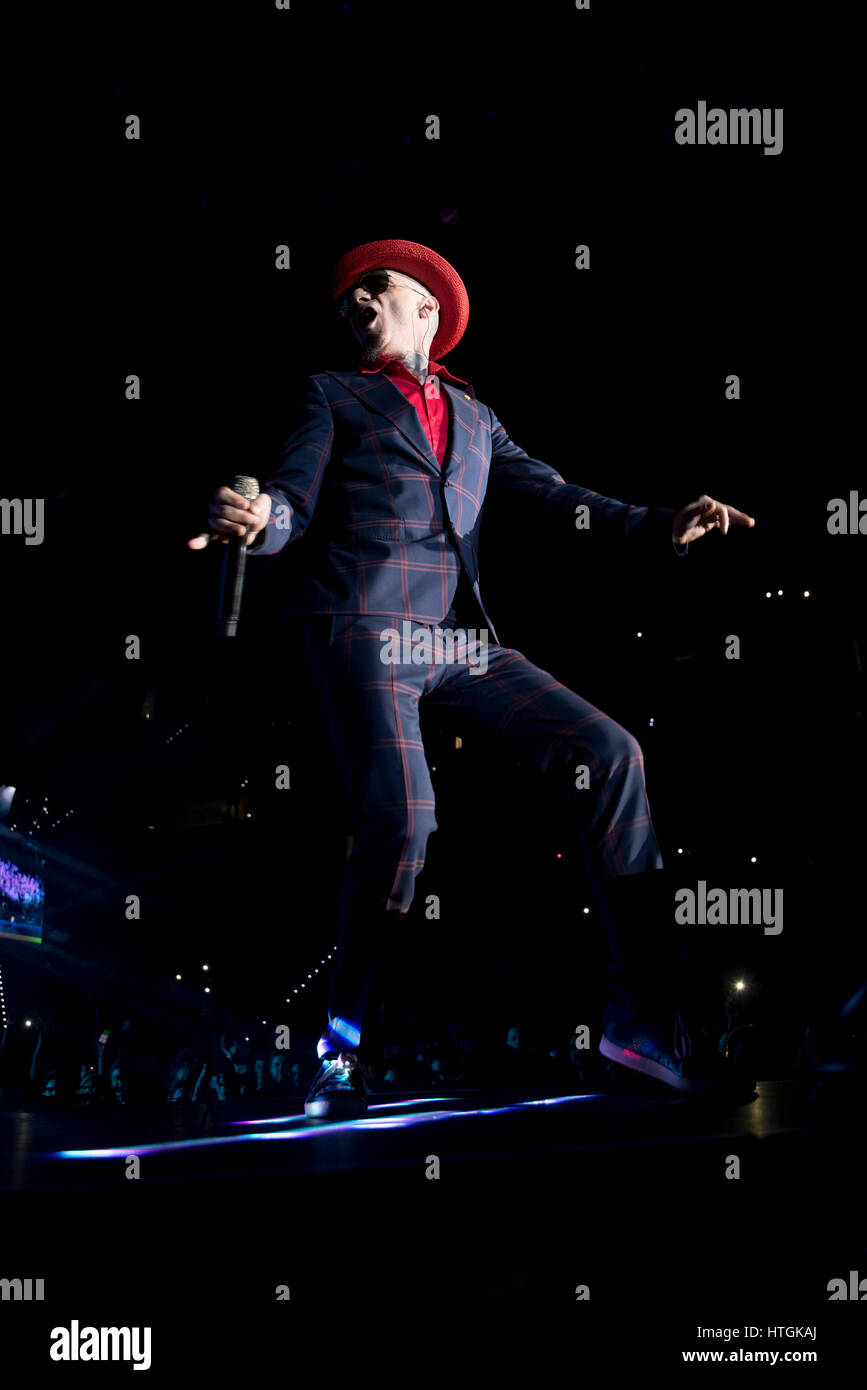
<point x="372" y="710"/>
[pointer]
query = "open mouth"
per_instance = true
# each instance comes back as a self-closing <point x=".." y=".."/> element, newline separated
<point x="366" y="316"/>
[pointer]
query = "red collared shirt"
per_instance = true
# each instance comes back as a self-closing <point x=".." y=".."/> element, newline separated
<point x="430" y="402"/>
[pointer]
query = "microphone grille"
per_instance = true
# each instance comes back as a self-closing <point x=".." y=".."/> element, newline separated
<point x="246" y="487"/>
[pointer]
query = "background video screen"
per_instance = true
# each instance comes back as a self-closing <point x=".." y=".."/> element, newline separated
<point x="22" y="895"/>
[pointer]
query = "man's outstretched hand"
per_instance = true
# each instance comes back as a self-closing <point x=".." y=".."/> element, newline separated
<point x="229" y="514"/>
<point x="694" y="521"/>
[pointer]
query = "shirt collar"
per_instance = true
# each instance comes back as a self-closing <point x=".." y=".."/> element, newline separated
<point x="396" y="368"/>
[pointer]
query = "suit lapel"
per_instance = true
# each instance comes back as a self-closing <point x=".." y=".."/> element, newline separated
<point x="462" y="424"/>
<point x="378" y="392"/>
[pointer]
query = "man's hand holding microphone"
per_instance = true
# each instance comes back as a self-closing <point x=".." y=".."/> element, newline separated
<point x="229" y="515"/>
<point x="236" y="516"/>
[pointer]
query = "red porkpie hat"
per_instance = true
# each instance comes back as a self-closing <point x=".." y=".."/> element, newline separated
<point x="424" y="265"/>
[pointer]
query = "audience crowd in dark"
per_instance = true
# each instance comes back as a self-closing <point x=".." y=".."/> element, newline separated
<point x="133" y="1065"/>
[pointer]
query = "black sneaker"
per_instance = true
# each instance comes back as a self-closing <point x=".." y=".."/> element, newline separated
<point x="339" y="1089"/>
<point x="682" y="1056"/>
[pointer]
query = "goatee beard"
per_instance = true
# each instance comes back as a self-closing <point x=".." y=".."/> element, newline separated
<point x="369" y="352"/>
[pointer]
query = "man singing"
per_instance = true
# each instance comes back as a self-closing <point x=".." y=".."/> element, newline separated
<point x="395" y="459"/>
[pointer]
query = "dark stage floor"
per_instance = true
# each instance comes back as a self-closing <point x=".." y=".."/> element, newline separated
<point x="182" y="1143"/>
<point x="538" y="1194"/>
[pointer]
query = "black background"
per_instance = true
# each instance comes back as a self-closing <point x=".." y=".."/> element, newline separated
<point x="306" y="128"/>
<point x="156" y="257"/>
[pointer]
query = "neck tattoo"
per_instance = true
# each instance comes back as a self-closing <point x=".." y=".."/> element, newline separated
<point x="417" y="363"/>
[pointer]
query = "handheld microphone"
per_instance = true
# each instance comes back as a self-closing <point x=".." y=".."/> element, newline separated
<point x="234" y="567"/>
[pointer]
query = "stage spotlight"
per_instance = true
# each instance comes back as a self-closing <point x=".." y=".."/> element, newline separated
<point x="739" y="984"/>
<point x="7" y="796"/>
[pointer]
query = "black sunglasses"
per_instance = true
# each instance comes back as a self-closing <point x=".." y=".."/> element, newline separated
<point x="375" y="282"/>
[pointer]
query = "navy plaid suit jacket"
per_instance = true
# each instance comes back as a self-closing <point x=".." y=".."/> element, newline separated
<point x="394" y="530"/>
